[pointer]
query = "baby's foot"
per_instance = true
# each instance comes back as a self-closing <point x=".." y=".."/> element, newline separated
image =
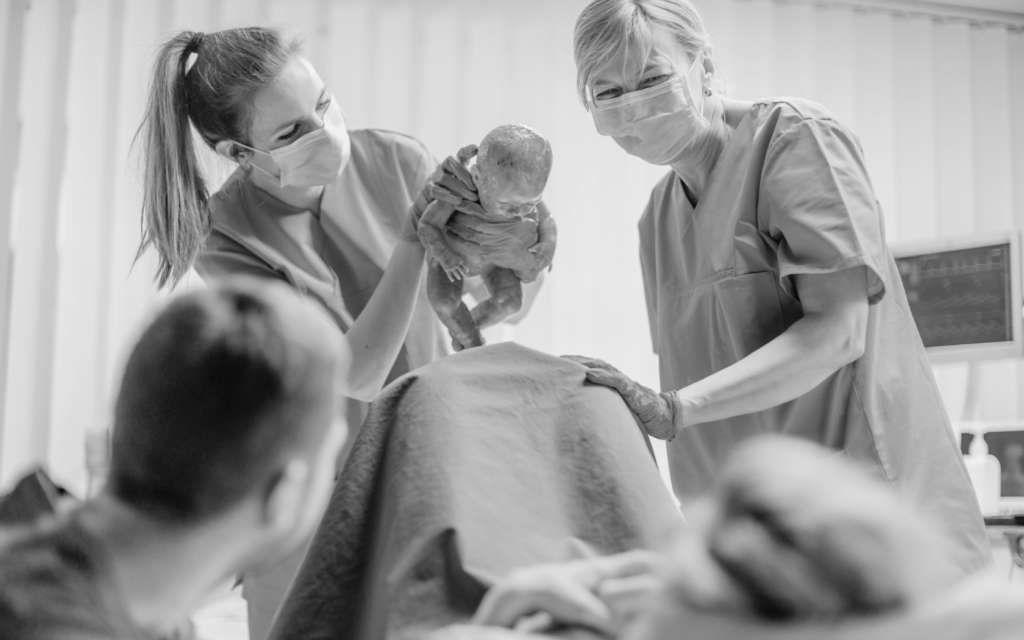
<point x="471" y="342"/>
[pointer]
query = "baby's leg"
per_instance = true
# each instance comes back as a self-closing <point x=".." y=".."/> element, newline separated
<point x="446" y="298"/>
<point x="506" y="297"/>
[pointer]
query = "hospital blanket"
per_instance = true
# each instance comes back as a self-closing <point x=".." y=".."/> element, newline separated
<point x="485" y="461"/>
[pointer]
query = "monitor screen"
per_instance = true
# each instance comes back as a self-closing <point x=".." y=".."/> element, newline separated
<point x="961" y="296"/>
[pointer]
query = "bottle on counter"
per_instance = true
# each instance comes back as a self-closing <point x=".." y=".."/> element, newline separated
<point x="986" y="474"/>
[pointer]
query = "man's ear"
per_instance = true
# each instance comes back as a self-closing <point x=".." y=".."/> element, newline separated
<point x="285" y="495"/>
<point x="233" y="152"/>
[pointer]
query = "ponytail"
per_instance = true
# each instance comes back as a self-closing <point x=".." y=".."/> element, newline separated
<point x="175" y="219"/>
<point x="215" y="96"/>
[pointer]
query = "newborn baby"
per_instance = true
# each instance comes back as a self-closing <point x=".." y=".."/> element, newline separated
<point x="511" y="240"/>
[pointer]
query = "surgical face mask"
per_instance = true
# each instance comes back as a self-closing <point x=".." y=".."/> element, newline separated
<point x="655" y="124"/>
<point x="315" y="159"/>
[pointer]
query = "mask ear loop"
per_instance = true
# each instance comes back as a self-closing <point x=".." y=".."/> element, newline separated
<point x="717" y="73"/>
<point x="689" y="95"/>
<point x="704" y="92"/>
<point x="245" y="164"/>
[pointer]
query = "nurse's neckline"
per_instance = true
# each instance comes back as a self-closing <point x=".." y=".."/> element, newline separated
<point x="312" y="210"/>
<point x="734" y="113"/>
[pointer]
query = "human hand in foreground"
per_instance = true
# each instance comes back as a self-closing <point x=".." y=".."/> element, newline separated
<point x="451" y="184"/>
<point x="601" y="594"/>
<point x="654" y="411"/>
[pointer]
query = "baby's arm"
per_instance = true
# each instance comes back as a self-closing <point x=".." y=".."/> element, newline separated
<point x="431" y="233"/>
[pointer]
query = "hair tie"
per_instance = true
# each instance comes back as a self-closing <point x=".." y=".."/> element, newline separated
<point x="195" y="42"/>
<point x="191" y="48"/>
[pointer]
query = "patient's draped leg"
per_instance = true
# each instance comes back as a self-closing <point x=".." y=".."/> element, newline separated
<point x="488" y="460"/>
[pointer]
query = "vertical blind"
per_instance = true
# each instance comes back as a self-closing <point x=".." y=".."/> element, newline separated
<point x="936" y="96"/>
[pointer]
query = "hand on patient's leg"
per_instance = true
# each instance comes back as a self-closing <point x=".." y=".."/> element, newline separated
<point x="656" y="412"/>
<point x="446" y="297"/>
<point x="506" y="298"/>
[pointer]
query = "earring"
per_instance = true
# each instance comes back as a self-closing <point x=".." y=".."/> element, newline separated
<point x="707" y="91"/>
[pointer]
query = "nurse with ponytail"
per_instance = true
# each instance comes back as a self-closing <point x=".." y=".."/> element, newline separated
<point x="327" y="210"/>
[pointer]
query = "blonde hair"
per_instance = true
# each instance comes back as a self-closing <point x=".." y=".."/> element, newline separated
<point x="607" y="28"/>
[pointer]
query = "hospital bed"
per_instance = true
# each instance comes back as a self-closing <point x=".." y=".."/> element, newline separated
<point x="501" y="457"/>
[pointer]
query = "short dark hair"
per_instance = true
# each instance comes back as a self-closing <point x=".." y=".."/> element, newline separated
<point x="217" y="392"/>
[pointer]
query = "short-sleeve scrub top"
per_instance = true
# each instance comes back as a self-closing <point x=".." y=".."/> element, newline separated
<point x="790" y="195"/>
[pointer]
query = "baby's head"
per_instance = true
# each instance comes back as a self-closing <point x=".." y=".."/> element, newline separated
<point x="511" y="170"/>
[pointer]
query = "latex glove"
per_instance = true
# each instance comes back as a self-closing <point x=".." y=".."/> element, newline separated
<point x="450" y="183"/>
<point x="654" y="411"/>
<point x="566" y="592"/>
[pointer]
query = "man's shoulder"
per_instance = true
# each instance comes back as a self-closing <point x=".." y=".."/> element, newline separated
<point x="53" y="585"/>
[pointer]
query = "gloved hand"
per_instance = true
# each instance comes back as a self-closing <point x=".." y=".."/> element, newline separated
<point x="450" y="183"/>
<point x="654" y="411"/>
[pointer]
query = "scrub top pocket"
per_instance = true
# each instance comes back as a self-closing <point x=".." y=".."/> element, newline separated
<point x="717" y="323"/>
<point x="748" y="315"/>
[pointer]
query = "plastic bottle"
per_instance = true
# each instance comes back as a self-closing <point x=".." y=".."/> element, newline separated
<point x="986" y="475"/>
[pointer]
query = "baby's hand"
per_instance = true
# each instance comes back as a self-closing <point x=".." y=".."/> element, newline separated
<point x="454" y="265"/>
<point x="544" y="253"/>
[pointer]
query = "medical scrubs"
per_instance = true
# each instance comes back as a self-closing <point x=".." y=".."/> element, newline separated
<point x="339" y="255"/>
<point x="790" y="195"/>
<point x="336" y="256"/>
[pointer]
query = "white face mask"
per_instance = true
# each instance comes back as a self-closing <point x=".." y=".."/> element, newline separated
<point x="315" y="159"/>
<point x="655" y="124"/>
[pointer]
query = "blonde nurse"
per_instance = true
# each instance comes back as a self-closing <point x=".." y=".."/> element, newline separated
<point x="774" y="304"/>
<point x="319" y="207"/>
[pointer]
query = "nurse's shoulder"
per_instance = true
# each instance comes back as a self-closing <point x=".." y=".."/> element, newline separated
<point x="774" y="117"/>
<point x="228" y="199"/>
<point x="390" y="156"/>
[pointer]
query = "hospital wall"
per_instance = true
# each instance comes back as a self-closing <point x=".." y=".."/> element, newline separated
<point x="937" y="99"/>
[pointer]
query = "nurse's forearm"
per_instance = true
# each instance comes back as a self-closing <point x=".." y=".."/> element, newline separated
<point x="378" y="333"/>
<point x="786" y="368"/>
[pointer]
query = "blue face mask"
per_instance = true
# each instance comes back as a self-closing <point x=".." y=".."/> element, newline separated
<point x="315" y="159"/>
<point x="656" y="124"/>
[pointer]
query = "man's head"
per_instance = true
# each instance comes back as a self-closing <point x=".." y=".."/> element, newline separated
<point x="227" y="410"/>
<point x="511" y="170"/>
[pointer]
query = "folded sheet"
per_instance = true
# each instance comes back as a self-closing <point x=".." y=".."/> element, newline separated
<point x="491" y="459"/>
